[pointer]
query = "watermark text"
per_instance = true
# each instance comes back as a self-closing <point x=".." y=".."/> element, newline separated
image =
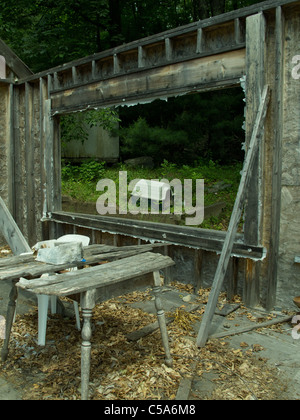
<point x="152" y="197"/>
<point x="296" y="68"/>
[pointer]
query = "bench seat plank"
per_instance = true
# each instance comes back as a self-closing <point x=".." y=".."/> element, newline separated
<point x="100" y="275"/>
<point x="27" y="267"/>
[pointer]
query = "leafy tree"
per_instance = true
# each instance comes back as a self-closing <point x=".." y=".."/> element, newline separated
<point x="186" y="128"/>
<point x="45" y="33"/>
<point x="160" y="143"/>
<point x="76" y="126"/>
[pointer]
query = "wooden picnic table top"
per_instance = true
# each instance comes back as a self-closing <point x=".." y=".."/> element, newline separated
<point x="26" y="266"/>
<point x="98" y="276"/>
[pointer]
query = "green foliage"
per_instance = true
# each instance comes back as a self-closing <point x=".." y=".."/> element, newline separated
<point x="201" y="126"/>
<point x="76" y="126"/>
<point x="46" y="33"/>
<point x="157" y="142"/>
<point x="104" y="117"/>
<point x="72" y="127"/>
<point x="87" y="172"/>
<point x="168" y="169"/>
<point x="80" y="182"/>
<point x="92" y="171"/>
<point x="69" y="172"/>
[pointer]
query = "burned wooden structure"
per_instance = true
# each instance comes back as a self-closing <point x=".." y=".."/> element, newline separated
<point x="260" y="42"/>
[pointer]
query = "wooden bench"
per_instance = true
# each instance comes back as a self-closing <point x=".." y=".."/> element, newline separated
<point x="100" y="283"/>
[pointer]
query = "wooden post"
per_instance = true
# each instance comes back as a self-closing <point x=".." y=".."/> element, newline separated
<point x="234" y="221"/>
<point x="277" y="163"/>
<point x="238" y="33"/>
<point x="200" y="41"/>
<point x="57" y="202"/>
<point x="9" y="320"/>
<point x="168" y="272"/>
<point x="87" y="302"/>
<point x="11" y="157"/>
<point x="141" y="57"/>
<point x="255" y="81"/>
<point x="198" y="259"/>
<point x="116" y="64"/>
<point x="161" y="318"/>
<point x="43" y="116"/>
<point x="29" y="164"/>
<point x="250" y="289"/>
<point x="232" y="276"/>
<point x="47" y="161"/>
<point x="74" y="75"/>
<point x="168" y="49"/>
<point x="94" y="70"/>
<point x="52" y="165"/>
<point x="255" y="48"/>
<point x="117" y="240"/>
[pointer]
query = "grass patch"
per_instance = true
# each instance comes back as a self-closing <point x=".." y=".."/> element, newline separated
<point x="221" y="182"/>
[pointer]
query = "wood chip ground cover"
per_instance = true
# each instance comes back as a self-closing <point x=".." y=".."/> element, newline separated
<point x="126" y="370"/>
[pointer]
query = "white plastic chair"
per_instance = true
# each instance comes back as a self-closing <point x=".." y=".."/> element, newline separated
<point x="43" y="300"/>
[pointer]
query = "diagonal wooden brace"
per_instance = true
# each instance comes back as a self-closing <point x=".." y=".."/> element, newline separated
<point x="234" y="220"/>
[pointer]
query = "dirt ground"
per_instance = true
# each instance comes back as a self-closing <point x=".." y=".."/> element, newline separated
<point x="258" y="365"/>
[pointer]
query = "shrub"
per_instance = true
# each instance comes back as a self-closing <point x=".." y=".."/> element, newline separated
<point x="159" y="143"/>
<point x="87" y="172"/>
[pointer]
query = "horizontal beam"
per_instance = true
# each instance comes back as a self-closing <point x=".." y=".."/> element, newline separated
<point x="208" y="240"/>
<point x="143" y="98"/>
<point x="218" y="70"/>
<point x="136" y="70"/>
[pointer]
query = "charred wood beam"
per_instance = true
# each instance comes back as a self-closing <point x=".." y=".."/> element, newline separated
<point x="209" y="240"/>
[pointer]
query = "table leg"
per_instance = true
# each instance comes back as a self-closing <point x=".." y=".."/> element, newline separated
<point x="161" y="318"/>
<point x="9" y="319"/>
<point x="87" y="305"/>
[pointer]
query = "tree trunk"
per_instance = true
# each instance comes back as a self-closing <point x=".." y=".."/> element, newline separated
<point x="115" y="19"/>
<point x="217" y="7"/>
<point x="203" y="9"/>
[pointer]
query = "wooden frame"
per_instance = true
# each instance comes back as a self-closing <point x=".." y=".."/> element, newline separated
<point x="211" y="54"/>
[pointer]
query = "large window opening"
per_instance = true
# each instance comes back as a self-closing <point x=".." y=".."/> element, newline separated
<point x="195" y="136"/>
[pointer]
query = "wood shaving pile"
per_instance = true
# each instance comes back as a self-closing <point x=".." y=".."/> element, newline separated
<point x="239" y="374"/>
<point x="122" y="369"/>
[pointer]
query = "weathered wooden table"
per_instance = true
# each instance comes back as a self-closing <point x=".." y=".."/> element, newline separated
<point x="124" y="272"/>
